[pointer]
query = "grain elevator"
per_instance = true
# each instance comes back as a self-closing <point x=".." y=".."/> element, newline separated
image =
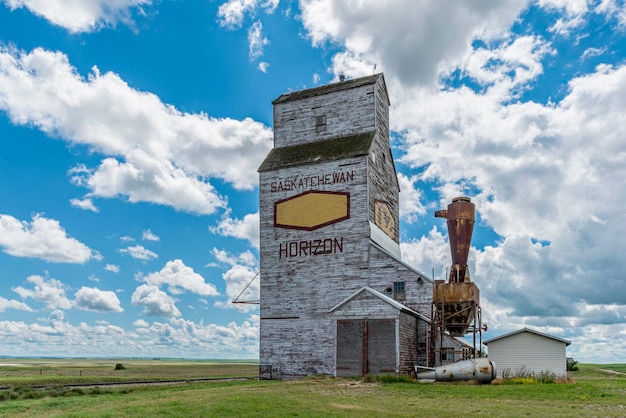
<point x="335" y="297"/>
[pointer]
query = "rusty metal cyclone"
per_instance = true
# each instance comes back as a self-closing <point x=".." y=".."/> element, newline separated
<point x="460" y="217"/>
<point x="456" y="304"/>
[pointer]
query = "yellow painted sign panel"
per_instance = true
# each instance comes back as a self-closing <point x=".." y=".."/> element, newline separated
<point x="385" y="219"/>
<point x="312" y="210"/>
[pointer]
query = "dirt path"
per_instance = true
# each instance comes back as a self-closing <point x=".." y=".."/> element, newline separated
<point x="611" y="371"/>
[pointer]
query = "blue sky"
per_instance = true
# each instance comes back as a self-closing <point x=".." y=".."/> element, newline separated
<point x="131" y="132"/>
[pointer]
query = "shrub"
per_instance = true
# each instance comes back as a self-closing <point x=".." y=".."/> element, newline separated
<point x="75" y="392"/>
<point x="546" y="377"/>
<point x="572" y="365"/>
<point x="522" y="376"/>
<point x="120" y="366"/>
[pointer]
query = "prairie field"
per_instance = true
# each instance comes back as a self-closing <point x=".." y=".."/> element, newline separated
<point x="34" y="388"/>
<point x="20" y="372"/>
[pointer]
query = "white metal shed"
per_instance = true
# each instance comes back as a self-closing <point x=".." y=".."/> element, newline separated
<point x="528" y="350"/>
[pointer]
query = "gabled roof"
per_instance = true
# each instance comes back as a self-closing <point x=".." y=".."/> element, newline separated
<point x="329" y="88"/>
<point x="318" y="151"/>
<point x="382" y="297"/>
<point x="567" y="342"/>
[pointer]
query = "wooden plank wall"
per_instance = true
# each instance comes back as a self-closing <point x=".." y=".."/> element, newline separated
<point x="297" y="330"/>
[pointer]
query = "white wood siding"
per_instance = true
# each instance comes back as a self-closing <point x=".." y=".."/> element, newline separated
<point x="347" y="112"/>
<point x="528" y="351"/>
<point x="298" y="290"/>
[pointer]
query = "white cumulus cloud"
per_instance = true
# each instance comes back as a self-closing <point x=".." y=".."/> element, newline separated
<point x="148" y="235"/>
<point x="175" y="337"/>
<point x="246" y="228"/>
<point x="45" y="290"/>
<point x="140" y="323"/>
<point x="263" y="66"/>
<point x="155" y="153"/>
<point x="411" y="40"/>
<point x="42" y="238"/>
<point x="178" y="277"/>
<point x="13" y="304"/>
<point x="85" y="204"/>
<point x="112" y="267"/>
<point x="139" y="252"/>
<point x="155" y="301"/>
<point x="93" y="299"/>
<point x="256" y="41"/>
<point x="242" y="280"/>
<point x="82" y="15"/>
<point x="410" y="198"/>
<point x="232" y="12"/>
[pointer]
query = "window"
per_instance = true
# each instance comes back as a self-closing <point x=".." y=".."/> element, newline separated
<point x="320" y="123"/>
<point x="398" y="291"/>
<point x="447" y="354"/>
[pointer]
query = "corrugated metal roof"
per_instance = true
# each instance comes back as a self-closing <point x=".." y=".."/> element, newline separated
<point x="328" y="88"/>
<point x="318" y="151"/>
<point x="567" y="342"/>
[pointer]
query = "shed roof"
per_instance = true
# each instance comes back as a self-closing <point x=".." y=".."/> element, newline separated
<point x="566" y="342"/>
<point x="329" y="88"/>
<point x="382" y="297"/>
<point x="318" y="151"/>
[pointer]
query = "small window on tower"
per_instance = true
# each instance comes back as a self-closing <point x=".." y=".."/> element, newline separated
<point x="320" y="123"/>
<point x="398" y="291"/>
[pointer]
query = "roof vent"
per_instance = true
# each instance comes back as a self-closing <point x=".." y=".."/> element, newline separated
<point x="342" y="77"/>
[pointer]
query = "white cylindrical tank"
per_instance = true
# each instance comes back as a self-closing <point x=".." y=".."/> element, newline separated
<point x="481" y="369"/>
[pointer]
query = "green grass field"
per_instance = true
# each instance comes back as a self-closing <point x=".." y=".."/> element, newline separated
<point x="595" y="390"/>
<point x="16" y="372"/>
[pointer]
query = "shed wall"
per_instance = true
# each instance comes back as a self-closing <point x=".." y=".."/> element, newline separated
<point x="408" y="343"/>
<point x="386" y="270"/>
<point x="530" y="352"/>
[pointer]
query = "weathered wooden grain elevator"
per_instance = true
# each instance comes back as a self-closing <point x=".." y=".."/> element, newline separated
<point x="335" y="297"/>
